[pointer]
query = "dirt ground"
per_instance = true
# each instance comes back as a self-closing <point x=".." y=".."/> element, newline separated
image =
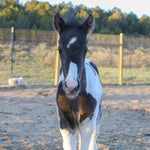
<point x="28" y="119"/>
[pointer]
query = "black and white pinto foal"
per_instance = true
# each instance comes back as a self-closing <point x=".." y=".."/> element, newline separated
<point x="79" y="92"/>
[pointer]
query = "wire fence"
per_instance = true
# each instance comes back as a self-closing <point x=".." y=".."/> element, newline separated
<point x="136" y="62"/>
<point x="35" y="51"/>
<point x="33" y="56"/>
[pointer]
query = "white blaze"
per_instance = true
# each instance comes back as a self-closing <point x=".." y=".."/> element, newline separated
<point x="71" y="78"/>
<point x="72" y="40"/>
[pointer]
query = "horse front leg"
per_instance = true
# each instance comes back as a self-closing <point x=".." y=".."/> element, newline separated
<point x="67" y="131"/>
<point x="68" y="139"/>
<point x="87" y="132"/>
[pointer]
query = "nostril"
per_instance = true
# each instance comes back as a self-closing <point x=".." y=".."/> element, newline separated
<point x="78" y="85"/>
<point x="65" y="84"/>
<point x="78" y="82"/>
<point x="75" y="89"/>
<point x="71" y="86"/>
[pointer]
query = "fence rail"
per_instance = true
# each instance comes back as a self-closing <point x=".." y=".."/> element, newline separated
<point x="34" y="57"/>
<point x="105" y="44"/>
<point x="99" y="44"/>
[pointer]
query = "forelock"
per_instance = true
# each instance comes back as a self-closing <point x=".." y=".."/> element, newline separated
<point x="72" y="21"/>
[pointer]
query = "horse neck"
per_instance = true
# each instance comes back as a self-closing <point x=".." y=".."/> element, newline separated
<point x="83" y="80"/>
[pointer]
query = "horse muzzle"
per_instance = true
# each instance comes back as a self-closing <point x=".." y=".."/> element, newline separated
<point x="71" y="88"/>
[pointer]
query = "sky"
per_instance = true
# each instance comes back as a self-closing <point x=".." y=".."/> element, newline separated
<point x="138" y="7"/>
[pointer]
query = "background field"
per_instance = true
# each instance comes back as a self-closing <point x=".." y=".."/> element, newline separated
<point x="28" y="115"/>
<point x="35" y="51"/>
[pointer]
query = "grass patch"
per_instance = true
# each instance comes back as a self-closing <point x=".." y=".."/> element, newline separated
<point x="132" y="76"/>
<point x="109" y="75"/>
<point x="136" y="76"/>
<point x="37" y="75"/>
<point x="41" y="75"/>
<point x="35" y="63"/>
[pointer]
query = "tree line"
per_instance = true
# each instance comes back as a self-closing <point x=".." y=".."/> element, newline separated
<point x="39" y="15"/>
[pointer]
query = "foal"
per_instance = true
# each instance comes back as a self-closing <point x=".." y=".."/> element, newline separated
<point x="79" y="91"/>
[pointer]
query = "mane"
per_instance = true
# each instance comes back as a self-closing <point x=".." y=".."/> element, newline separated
<point x="72" y="21"/>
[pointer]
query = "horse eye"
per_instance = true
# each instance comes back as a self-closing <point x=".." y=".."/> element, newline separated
<point x="85" y="51"/>
<point x="60" y="49"/>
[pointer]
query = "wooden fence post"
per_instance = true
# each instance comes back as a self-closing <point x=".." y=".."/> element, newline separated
<point x="121" y="60"/>
<point x="12" y="51"/>
<point x="57" y="64"/>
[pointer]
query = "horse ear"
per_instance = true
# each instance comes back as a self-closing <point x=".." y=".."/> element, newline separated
<point x="88" y="25"/>
<point x="59" y="23"/>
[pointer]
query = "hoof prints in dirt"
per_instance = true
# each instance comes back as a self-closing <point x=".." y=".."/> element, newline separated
<point x="125" y="129"/>
<point x="28" y="121"/>
<point x="120" y="130"/>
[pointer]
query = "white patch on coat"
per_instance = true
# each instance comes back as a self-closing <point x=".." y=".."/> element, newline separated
<point x="61" y="78"/>
<point x="72" y="40"/>
<point x="94" y="86"/>
<point x="68" y="140"/>
<point x="71" y="79"/>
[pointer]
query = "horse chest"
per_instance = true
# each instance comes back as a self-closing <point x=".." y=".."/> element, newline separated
<point x="74" y="111"/>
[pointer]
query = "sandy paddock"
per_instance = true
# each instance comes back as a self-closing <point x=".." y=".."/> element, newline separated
<point x="28" y="119"/>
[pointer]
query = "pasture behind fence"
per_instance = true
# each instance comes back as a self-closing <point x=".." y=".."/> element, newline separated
<point x="136" y="62"/>
<point x="34" y="57"/>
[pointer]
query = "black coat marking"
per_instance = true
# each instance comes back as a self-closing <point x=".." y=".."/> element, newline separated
<point x="94" y="67"/>
<point x="72" y="112"/>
